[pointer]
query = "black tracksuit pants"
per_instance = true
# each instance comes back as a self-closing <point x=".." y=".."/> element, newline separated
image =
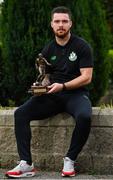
<point x="76" y="104"/>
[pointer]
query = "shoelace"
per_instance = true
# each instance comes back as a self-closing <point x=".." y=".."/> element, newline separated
<point x="68" y="164"/>
<point x="19" y="164"/>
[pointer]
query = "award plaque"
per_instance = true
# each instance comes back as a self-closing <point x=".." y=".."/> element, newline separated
<point x="37" y="90"/>
<point x="38" y="86"/>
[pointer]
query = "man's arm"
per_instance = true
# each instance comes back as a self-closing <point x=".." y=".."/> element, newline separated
<point x="84" y="79"/>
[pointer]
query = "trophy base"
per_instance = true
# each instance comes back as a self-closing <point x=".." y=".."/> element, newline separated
<point x="38" y="90"/>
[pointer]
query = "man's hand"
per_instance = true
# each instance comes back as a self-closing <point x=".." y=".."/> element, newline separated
<point x="55" y="87"/>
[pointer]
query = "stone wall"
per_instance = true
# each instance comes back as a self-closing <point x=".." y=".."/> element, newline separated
<point x="51" y="138"/>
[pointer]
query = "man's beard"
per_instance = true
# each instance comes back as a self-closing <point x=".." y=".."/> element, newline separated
<point x="62" y="35"/>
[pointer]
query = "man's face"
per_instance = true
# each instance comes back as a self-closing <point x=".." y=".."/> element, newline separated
<point x="61" y="24"/>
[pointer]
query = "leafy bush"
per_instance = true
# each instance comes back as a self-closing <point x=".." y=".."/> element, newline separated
<point x="26" y="29"/>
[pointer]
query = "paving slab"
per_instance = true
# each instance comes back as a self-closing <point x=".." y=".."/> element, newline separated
<point x="56" y="175"/>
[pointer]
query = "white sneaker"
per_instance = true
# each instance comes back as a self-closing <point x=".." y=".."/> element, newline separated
<point x="21" y="170"/>
<point x="68" y="169"/>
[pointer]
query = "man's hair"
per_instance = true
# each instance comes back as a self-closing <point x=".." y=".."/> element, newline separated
<point x="61" y="9"/>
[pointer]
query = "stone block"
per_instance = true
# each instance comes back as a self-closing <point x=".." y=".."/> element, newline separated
<point x="51" y="139"/>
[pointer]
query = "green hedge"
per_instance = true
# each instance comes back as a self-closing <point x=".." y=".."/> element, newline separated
<point x="26" y="29"/>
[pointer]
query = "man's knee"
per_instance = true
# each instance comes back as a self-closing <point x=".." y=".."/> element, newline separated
<point x="84" y="120"/>
<point x="20" y="116"/>
<point x="84" y="116"/>
<point x="17" y="113"/>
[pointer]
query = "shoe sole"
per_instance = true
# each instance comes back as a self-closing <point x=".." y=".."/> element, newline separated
<point x="67" y="175"/>
<point x="27" y="174"/>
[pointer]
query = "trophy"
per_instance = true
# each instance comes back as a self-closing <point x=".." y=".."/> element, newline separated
<point x="39" y="87"/>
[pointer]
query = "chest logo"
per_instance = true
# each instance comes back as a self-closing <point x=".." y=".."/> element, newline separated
<point x="72" y="56"/>
<point x="53" y="58"/>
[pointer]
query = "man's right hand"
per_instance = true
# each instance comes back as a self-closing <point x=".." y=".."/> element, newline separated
<point x="55" y="87"/>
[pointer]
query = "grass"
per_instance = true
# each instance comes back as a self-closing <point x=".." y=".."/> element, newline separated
<point x="6" y="108"/>
<point x="103" y="105"/>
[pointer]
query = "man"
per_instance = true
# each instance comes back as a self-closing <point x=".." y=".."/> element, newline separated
<point x="70" y="71"/>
